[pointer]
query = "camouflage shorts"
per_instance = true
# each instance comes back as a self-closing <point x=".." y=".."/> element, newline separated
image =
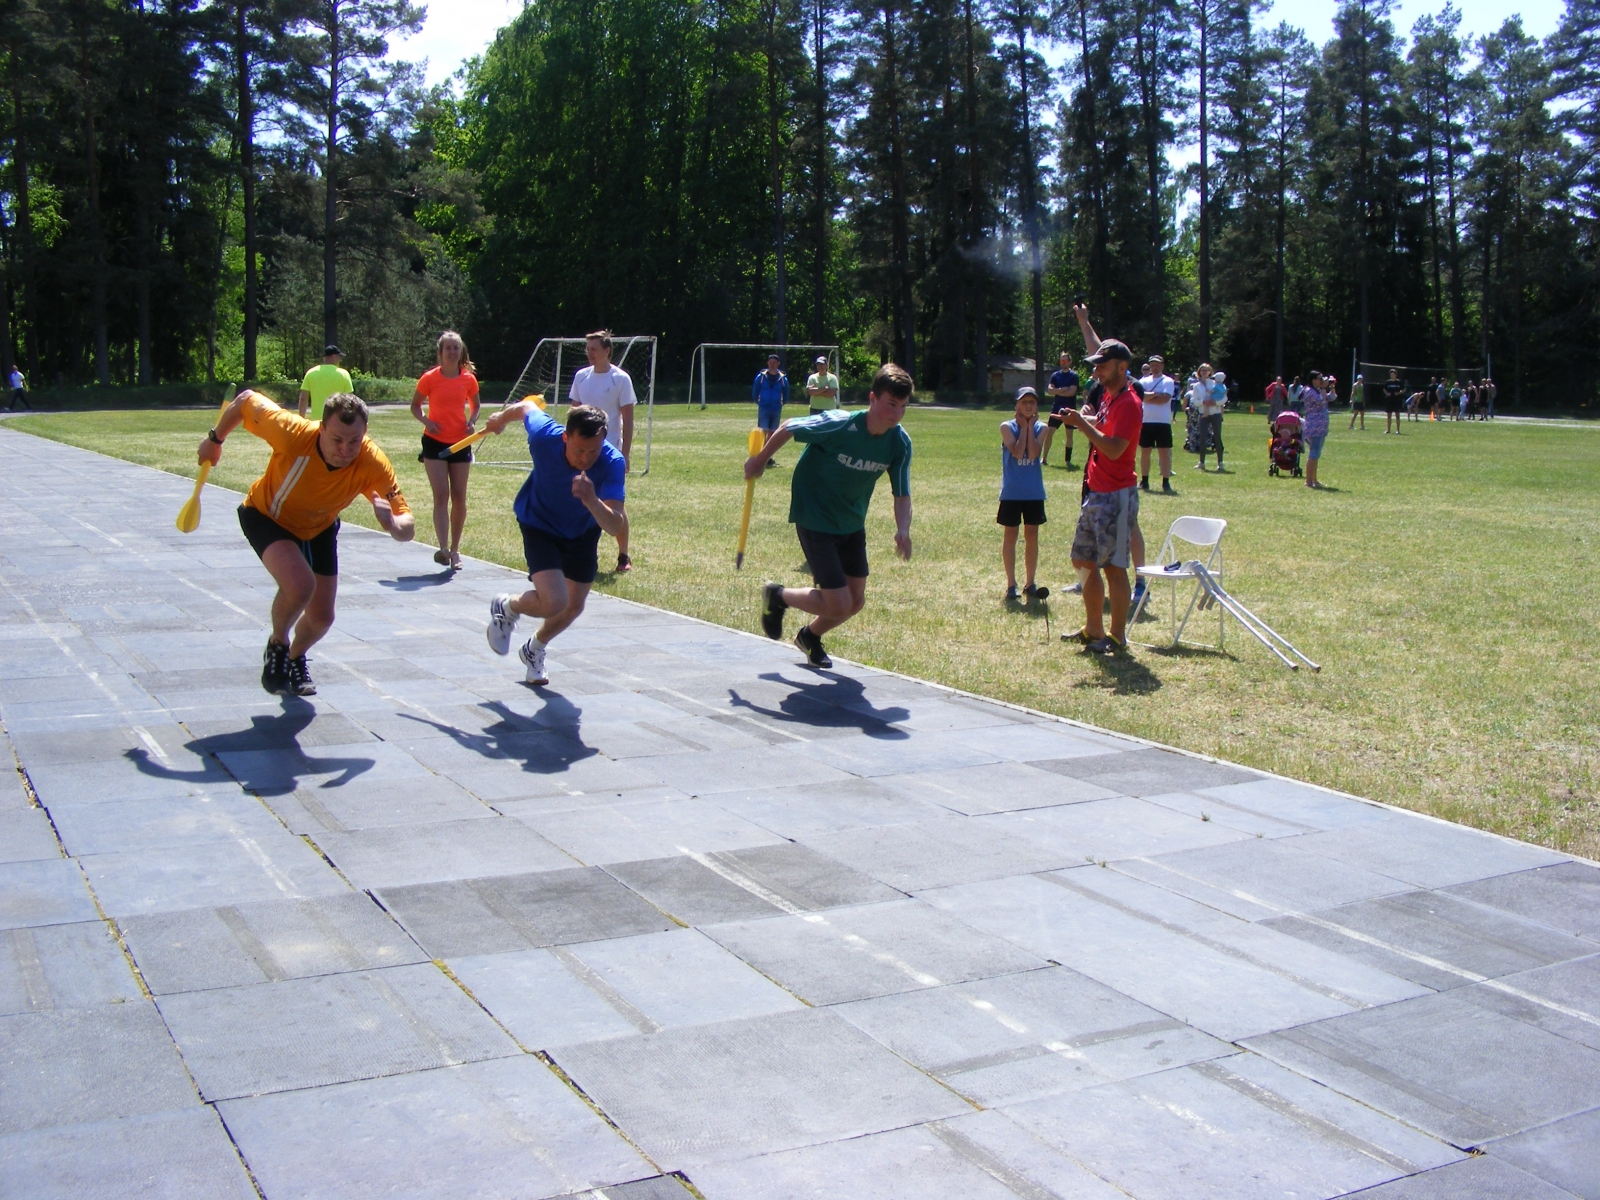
<point x="1104" y="525"/>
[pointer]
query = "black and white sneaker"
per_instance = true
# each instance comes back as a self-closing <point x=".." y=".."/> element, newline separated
<point x="532" y="656"/>
<point x="811" y="646"/>
<point x="772" y="610"/>
<point x="300" y="678"/>
<point x="501" y="623"/>
<point x="275" y="668"/>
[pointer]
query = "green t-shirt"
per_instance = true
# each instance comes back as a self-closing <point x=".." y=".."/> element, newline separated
<point x="322" y="381"/>
<point x="839" y="467"/>
<point x="826" y="380"/>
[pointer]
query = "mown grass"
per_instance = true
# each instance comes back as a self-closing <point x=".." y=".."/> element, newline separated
<point x="1445" y="581"/>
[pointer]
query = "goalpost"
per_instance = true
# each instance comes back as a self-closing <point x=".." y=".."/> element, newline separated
<point x="555" y="361"/>
<point x="697" y="360"/>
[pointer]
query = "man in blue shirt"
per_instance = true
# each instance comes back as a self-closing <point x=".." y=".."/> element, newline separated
<point x="1063" y="391"/>
<point x="770" y="391"/>
<point x="575" y="490"/>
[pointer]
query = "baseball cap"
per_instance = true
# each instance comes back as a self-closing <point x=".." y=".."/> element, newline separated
<point x="1111" y="348"/>
<point x="821" y="361"/>
<point x="1025" y="391"/>
<point x="330" y="349"/>
<point x="770" y="357"/>
<point x="1156" y="358"/>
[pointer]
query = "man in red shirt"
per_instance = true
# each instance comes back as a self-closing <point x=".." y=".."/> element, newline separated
<point x="1111" y="509"/>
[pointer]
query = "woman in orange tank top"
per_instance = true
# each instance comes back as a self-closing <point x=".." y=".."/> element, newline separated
<point x="446" y="402"/>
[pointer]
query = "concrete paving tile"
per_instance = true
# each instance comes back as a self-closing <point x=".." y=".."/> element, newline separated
<point x="1445" y="1065"/>
<point x="1434" y="938"/>
<point x="165" y="878"/>
<point x="681" y="977"/>
<point x="1565" y="896"/>
<point x="274" y="772"/>
<point x="308" y="1033"/>
<point x="520" y="912"/>
<point x="1260" y="878"/>
<point x="1563" y="998"/>
<point x="100" y="745"/>
<point x="88" y="1064"/>
<point x="871" y="950"/>
<point x="396" y="855"/>
<point x="464" y="1131"/>
<point x="714" y="1093"/>
<point x="13" y="797"/>
<point x="26" y="835"/>
<point x="420" y="801"/>
<point x="558" y="711"/>
<point x="1296" y="804"/>
<point x="1428" y="854"/>
<point x="63" y="966"/>
<point x="159" y="1156"/>
<point x="542" y="1000"/>
<point x="1148" y="771"/>
<point x="1030" y="742"/>
<point x="819" y="808"/>
<point x="739" y="771"/>
<point x="1232" y="816"/>
<point x="1107" y="830"/>
<point x="869" y="756"/>
<point x="657" y="1187"/>
<point x="537" y="750"/>
<point x="1229" y="1130"/>
<point x="1480" y="1178"/>
<point x="137" y="777"/>
<point x="165" y="821"/>
<point x="537" y="806"/>
<point x="1019" y="1037"/>
<point x="323" y="729"/>
<point x="937" y="1159"/>
<point x="264" y="942"/>
<point x="936" y="714"/>
<point x="1565" y="1153"/>
<point x="652" y="830"/>
<point x="933" y="854"/>
<point x="510" y="780"/>
<point x="994" y="788"/>
<point x="43" y="892"/>
<point x="1216" y="988"/>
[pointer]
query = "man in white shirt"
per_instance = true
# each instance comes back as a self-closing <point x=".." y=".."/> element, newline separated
<point x="1156" y="434"/>
<point x="608" y="388"/>
<point x="19" y="390"/>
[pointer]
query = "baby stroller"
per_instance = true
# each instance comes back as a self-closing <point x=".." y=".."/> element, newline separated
<point x="1284" y="446"/>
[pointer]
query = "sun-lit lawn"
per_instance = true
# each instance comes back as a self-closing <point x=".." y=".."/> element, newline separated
<point x="1445" y="582"/>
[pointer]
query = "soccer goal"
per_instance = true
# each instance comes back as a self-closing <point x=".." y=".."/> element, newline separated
<point x="555" y="361"/>
<point x="757" y="351"/>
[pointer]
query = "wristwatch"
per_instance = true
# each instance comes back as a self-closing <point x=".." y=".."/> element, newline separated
<point x="212" y="434"/>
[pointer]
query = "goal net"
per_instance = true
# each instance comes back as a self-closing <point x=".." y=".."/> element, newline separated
<point x="731" y="366"/>
<point x="555" y="361"/>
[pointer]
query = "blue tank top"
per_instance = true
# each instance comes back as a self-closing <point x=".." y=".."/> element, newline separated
<point x="1021" y="480"/>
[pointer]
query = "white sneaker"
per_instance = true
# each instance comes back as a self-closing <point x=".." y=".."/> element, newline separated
<point x="501" y="622"/>
<point x="532" y="656"/>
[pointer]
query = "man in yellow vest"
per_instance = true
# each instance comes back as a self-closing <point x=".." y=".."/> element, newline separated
<point x="323" y="381"/>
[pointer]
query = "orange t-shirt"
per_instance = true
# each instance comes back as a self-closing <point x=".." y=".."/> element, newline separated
<point x="300" y="491"/>
<point x="449" y="402"/>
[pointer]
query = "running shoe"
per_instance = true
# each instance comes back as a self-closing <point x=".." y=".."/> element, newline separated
<point x="275" y="668"/>
<point x="1138" y="593"/>
<point x="772" y="610"/>
<point x="1013" y="596"/>
<point x="501" y="622"/>
<point x="300" y="678"/>
<point x="532" y="656"/>
<point x="624" y="564"/>
<point x="1167" y="489"/>
<point x="1075" y="589"/>
<point x="1144" y="484"/>
<point x="811" y="646"/>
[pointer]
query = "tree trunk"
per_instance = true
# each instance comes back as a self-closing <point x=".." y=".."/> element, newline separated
<point x="1099" y="282"/>
<point x="819" y="266"/>
<point x="1203" y="9"/>
<point x="330" y="311"/>
<point x="1431" y="178"/>
<point x="974" y="214"/>
<point x="1283" y="205"/>
<point x="97" y="284"/>
<point x="907" y="317"/>
<point x="247" y="180"/>
<point x="1150" y="101"/>
<point x="1457" y="303"/>
<point x="28" y="348"/>
<point x="1030" y="204"/>
<point x="780" y="317"/>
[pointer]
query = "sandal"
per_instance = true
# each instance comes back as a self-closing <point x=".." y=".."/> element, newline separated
<point x="455" y="561"/>
<point x="442" y="557"/>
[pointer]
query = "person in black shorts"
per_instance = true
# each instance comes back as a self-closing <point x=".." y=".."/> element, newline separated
<point x="1022" y="494"/>
<point x="1394" y="399"/>
<point x="1063" y="392"/>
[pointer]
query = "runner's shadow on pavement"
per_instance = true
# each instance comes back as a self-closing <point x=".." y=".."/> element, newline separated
<point x="833" y="702"/>
<point x="1121" y="675"/>
<point x="415" y="583"/>
<point x="544" y="749"/>
<point x="266" y="758"/>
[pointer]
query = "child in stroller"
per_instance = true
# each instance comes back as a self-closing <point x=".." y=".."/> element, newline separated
<point x="1283" y="447"/>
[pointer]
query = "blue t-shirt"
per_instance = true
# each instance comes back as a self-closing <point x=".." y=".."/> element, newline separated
<point x="1062" y="379"/>
<point x="770" y="391"/>
<point x="546" y="501"/>
<point x="1021" y="480"/>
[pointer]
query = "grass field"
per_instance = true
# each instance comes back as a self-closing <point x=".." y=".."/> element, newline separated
<point x="1445" y="581"/>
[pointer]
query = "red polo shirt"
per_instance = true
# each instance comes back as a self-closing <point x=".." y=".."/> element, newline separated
<point x="1121" y="416"/>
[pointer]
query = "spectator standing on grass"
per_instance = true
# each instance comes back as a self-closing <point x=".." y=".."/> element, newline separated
<point x="1393" y="398"/>
<point x="1277" y="398"/>
<point x="322" y="381"/>
<point x="19" y="390"/>
<point x="1021" y="491"/>
<point x="1095" y="399"/>
<point x="1316" y="425"/>
<point x="1457" y="401"/>
<point x="609" y="388"/>
<point x="822" y="387"/>
<point x="1207" y="399"/>
<point x="446" y="402"/>
<point x="1063" y="393"/>
<point x="770" y="391"/>
<point x="1358" y="402"/>
<point x="1156" y="432"/>
<point x="1490" y="393"/>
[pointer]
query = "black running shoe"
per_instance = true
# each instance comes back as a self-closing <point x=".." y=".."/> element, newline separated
<point x="299" y="682"/>
<point x="811" y="645"/>
<point x="275" y="668"/>
<point x="772" y="610"/>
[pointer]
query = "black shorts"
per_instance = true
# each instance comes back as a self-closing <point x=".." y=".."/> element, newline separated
<point x="1054" y="420"/>
<point x="576" y="558"/>
<point x="1393" y="406"/>
<point x="433" y="448"/>
<point x="321" y="552"/>
<point x="1020" y="512"/>
<point x="1157" y="435"/>
<point x="834" y="558"/>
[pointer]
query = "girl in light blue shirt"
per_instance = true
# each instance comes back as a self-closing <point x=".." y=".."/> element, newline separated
<point x="1022" y="493"/>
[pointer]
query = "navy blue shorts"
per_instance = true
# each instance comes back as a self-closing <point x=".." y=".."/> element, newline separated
<point x="576" y="558"/>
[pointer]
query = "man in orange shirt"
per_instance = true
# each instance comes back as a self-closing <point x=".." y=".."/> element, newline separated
<point x="291" y="516"/>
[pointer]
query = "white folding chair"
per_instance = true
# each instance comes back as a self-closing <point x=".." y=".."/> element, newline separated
<point x="1202" y="533"/>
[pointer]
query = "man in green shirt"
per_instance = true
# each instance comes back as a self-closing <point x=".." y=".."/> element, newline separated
<point x="844" y="454"/>
<point x="823" y="387"/>
<point x="323" y="381"/>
